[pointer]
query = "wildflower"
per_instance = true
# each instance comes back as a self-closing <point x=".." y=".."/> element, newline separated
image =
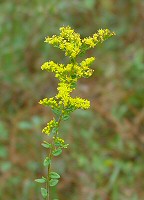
<point x="50" y="125"/>
<point x="78" y="103"/>
<point x="59" y="142"/>
<point x="70" y="42"/>
<point x="62" y="103"/>
<point x="64" y="91"/>
<point x="49" y="102"/>
<point x="100" y="36"/>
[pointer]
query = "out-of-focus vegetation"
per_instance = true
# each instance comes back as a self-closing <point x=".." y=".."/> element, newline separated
<point x="106" y="155"/>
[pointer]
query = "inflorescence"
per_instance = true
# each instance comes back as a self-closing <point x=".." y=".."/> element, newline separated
<point x="63" y="104"/>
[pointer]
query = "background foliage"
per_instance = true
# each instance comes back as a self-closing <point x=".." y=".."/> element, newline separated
<point x="105" y="158"/>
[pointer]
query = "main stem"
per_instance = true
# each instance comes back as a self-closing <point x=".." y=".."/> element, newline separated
<point x="53" y="146"/>
<point x="48" y="186"/>
<point x="50" y="156"/>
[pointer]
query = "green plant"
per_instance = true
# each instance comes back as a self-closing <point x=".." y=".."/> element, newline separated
<point x="62" y="104"/>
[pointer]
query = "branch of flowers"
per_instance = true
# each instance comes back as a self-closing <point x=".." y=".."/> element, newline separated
<point x="70" y="42"/>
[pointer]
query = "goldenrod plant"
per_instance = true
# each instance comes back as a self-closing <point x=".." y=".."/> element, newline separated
<point x="63" y="104"/>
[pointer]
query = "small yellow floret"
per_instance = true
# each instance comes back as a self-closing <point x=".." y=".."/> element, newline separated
<point x="50" y="125"/>
<point x="49" y="102"/>
<point x="79" y="103"/>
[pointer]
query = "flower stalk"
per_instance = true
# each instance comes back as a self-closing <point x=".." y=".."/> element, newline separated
<point x="62" y="104"/>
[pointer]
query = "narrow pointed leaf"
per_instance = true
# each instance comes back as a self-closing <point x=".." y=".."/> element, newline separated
<point x="41" y="180"/>
<point x="65" y="117"/>
<point x="46" y="145"/>
<point x="56" y="111"/>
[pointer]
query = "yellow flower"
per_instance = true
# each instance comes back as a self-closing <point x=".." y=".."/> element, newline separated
<point x="89" y="41"/>
<point x="78" y="103"/>
<point x="100" y="36"/>
<point x="70" y="42"/>
<point x="64" y="91"/>
<point x="50" y="125"/>
<point x="87" y="61"/>
<point x="49" y="102"/>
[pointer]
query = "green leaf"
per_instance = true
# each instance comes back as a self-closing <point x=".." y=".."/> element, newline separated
<point x="54" y="175"/>
<point x="46" y="145"/>
<point x="56" y="111"/>
<point x="41" y="180"/>
<point x="69" y="110"/>
<point x="58" y="144"/>
<point x="44" y="193"/>
<point x="57" y="152"/>
<point x="65" y="117"/>
<point x="73" y="76"/>
<point x="47" y="161"/>
<point x="54" y="130"/>
<point x="65" y="146"/>
<point x="73" y="85"/>
<point x="53" y="182"/>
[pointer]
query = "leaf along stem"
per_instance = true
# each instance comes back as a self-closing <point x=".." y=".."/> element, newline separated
<point x="50" y="156"/>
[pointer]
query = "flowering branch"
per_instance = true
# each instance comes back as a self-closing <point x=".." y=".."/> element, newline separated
<point x="62" y="104"/>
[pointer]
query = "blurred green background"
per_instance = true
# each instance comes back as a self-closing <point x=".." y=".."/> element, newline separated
<point x="105" y="158"/>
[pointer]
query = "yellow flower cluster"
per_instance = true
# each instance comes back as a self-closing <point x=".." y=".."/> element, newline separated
<point x="57" y="139"/>
<point x="87" y="62"/>
<point x="98" y="37"/>
<point x="66" y="100"/>
<point x="61" y="72"/>
<point x="49" y="102"/>
<point x="64" y="73"/>
<point x="60" y="142"/>
<point x="84" y="66"/>
<point x="68" y="41"/>
<point x="52" y="67"/>
<point x="50" y="125"/>
<point x="79" y="103"/>
<point x="63" y="95"/>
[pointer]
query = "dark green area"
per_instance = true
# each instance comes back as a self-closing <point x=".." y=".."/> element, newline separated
<point x="105" y="158"/>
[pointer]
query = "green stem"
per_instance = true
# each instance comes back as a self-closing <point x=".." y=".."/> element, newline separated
<point x="50" y="156"/>
<point x="48" y="177"/>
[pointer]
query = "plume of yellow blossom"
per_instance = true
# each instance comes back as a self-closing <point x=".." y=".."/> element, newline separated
<point x="63" y="104"/>
<point x="70" y="42"/>
<point x="99" y="37"/>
